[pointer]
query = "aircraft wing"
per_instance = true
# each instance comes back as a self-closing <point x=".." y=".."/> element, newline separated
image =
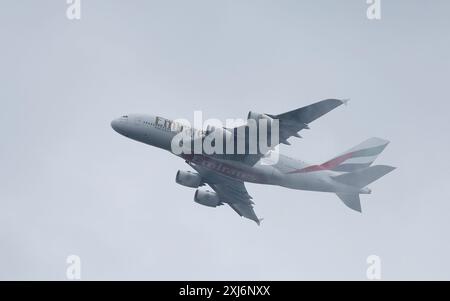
<point x="235" y="194"/>
<point x="290" y="123"/>
<point x="230" y="191"/>
<point x="294" y="121"/>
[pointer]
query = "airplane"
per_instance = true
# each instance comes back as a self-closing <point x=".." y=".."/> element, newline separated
<point x="347" y="175"/>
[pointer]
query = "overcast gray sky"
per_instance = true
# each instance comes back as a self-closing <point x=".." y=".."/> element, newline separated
<point x="71" y="185"/>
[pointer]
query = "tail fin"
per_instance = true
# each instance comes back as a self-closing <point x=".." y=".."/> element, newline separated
<point x="358" y="157"/>
<point x="364" y="177"/>
<point x="351" y="200"/>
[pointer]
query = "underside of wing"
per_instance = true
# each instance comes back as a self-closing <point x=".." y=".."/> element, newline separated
<point x="245" y="211"/>
<point x="230" y="191"/>
<point x="235" y="194"/>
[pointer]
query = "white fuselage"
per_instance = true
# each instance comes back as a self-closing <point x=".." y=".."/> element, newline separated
<point x="286" y="172"/>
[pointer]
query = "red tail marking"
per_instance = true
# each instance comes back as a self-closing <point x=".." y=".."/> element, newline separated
<point x="327" y="165"/>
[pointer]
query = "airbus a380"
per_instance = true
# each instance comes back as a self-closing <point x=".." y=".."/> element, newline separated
<point x="347" y="175"/>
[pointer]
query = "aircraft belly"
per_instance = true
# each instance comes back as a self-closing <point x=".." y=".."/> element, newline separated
<point x="231" y="169"/>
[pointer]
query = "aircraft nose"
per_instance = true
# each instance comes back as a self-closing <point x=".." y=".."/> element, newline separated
<point x="120" y="125"/>
<point x="115" y="125"/>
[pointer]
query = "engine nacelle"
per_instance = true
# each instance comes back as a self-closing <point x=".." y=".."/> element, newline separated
<point x="188" y="178"/>
<point x="206" y="198"/>
<point x="257" y="116"/>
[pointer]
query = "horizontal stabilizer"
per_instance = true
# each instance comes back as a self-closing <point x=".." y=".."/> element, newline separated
<point x="364" y="177"/>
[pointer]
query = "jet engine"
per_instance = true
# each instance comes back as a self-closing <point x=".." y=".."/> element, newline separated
<point x="206" y="198"/>
<point x="188" y="178"/>
<point x="257" y="116"/>
<point x="268" y="125"/>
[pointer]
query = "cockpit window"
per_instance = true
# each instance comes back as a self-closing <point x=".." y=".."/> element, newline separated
<point x="125" y="116"/>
